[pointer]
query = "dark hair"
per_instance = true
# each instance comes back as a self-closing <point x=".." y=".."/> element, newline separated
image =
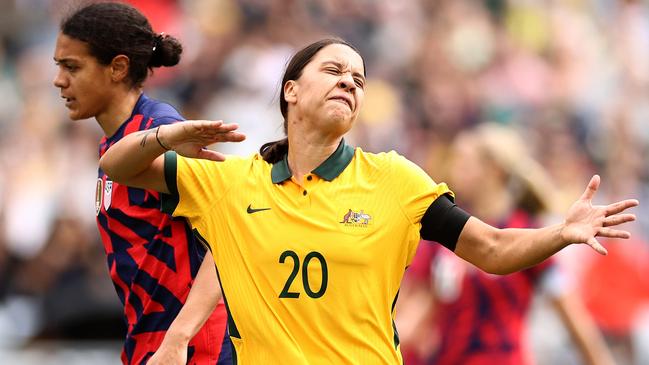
<point x="273" y="152"/>
<point x="112" y="29"/>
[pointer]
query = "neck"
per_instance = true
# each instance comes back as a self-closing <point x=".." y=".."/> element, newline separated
<point x="308" y="149"/>
<point x="117" y="111"/>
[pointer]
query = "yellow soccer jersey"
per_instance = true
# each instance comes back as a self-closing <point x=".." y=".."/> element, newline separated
<point x="309" y="273"/>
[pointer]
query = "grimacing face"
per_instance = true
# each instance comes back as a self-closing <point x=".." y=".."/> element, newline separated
<point x="83" y="82"/>
<point x="330" y="90"/>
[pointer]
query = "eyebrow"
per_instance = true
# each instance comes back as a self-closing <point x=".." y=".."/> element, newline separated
<point x="64" y="60"/>
<point x="340" y="66"/>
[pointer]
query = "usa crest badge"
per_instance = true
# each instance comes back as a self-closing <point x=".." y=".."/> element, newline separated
<point x="108" y="193"/>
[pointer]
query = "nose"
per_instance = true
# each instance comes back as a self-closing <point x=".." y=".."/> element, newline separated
<point x="59" y="80"/>
<point x="346" y="82"/>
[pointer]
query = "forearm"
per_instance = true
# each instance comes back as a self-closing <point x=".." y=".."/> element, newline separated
<point x="503" y="251"/>
<point x="518" y="248"/>
<point x="203" y="298"/>
<point x="130" y="160"/>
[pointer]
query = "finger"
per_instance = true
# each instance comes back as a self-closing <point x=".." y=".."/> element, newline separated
<point x="203" y="124"/>
<point x="620" y="206"/>
<point x="230" y="137"/>
<point x="209" y="123"/>
<point x="613" y="233"/>
<point x="614" y="220"/>
<point x="210" y="127"/>
<point x="595" y="245"/>
<point x="591" y="189"/>
<point x="217" y="131"/>
<point x="210" y="155"/>
<point x="224" y="128"/>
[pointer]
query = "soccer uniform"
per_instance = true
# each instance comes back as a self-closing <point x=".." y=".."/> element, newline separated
<point x="152" y="257"/>
<point x="310" y="274"/>
<point x="480" y="317"/>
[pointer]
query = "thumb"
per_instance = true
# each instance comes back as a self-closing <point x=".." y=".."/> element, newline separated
<point x="595" y="245"/>
<point x="207" y="154"/>
<point x="591" y="189"/>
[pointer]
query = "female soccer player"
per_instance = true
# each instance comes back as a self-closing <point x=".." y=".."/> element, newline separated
<point x="104" y="52"/>
<point x="311" y="237"/>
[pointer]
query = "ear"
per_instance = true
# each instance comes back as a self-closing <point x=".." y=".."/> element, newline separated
<point x="119" y="68"/>
<point x="290" y="91"/>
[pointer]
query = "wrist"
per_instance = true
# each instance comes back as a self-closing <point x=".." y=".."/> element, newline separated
<point x="160" y="142"/>
<point x="177" y="338"/>
<point x="562" y="236"/>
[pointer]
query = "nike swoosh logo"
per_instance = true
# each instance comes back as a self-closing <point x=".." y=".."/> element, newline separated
<point x="251" y="210"/>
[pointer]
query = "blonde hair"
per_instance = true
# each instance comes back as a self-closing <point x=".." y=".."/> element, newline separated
<point x="528" y="180"/>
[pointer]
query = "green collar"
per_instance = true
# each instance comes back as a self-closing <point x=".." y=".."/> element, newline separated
<point x="333" y="166"/>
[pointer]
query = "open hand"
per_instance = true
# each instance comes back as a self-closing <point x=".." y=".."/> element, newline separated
<point x="190" y="137"/>
<point x="584" y="221"/>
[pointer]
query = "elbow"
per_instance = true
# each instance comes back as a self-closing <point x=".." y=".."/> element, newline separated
<point x="109" y="168"/>
<point x="104" y="165"/>
<point x="495" y="266"/>
<point x="491" y="265"/>
<point x="494" y="258"/>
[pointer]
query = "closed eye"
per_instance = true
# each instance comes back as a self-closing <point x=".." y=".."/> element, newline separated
<point x="333" y="71"/>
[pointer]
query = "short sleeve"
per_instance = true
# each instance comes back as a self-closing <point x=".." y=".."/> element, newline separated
<point x="161" y="114"/>
<point x="165" y="120"/>
<point x="195" y="185"/>
<point x="415" y="190"/>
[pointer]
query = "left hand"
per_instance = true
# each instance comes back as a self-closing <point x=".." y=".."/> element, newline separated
<point x="584" y="221"/>
<point x="170" y="352"/>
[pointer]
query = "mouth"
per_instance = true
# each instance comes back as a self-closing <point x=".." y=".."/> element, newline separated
<point x="68" y="100"/>
<point x="342" y="99"/>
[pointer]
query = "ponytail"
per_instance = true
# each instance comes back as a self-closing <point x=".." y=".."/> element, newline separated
<point x="273" y="152"/>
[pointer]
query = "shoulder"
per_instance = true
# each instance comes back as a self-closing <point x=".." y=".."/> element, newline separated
<point x="391" y="161"/>
<point x="231" y="162"/>
<point x="371" y="159"/>
<point x="157" y="111"/>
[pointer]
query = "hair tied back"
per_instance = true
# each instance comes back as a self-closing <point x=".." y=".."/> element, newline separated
<point x="157" y="41"/>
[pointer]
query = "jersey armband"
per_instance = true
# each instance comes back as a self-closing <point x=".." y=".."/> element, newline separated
<point x="170" y="201"/>
<point x="443" y="222"/>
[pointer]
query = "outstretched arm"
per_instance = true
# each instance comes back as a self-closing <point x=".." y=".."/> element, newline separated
<point x="202" y="299"/>
<point x="136" y="159"/>
<point x="503" y="251"/>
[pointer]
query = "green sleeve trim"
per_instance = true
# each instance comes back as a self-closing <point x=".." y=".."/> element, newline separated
<point x="169" y="202"/>
<point x="232" y="326"/>
<point x="395" y="333"/>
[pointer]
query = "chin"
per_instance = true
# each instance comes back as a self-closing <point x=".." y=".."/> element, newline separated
<point x="340" y="116"/>
<point x="75" y="115"/>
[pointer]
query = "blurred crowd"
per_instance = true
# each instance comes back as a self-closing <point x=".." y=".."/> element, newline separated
<point x="569" y="76"/>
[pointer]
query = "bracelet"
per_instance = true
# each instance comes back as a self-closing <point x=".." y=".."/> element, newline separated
<point x="158" y="139"/>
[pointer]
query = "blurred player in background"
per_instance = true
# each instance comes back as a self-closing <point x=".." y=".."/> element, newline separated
<point x="104" y="53"/>
<point x="450" y="312"/>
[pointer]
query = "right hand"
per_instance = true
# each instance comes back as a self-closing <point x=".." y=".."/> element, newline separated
<point x="189" y="138"/>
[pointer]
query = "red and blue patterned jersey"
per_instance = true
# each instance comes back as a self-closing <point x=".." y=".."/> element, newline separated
<point x="153" y="258"/>
<point x="480" y="317"/>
